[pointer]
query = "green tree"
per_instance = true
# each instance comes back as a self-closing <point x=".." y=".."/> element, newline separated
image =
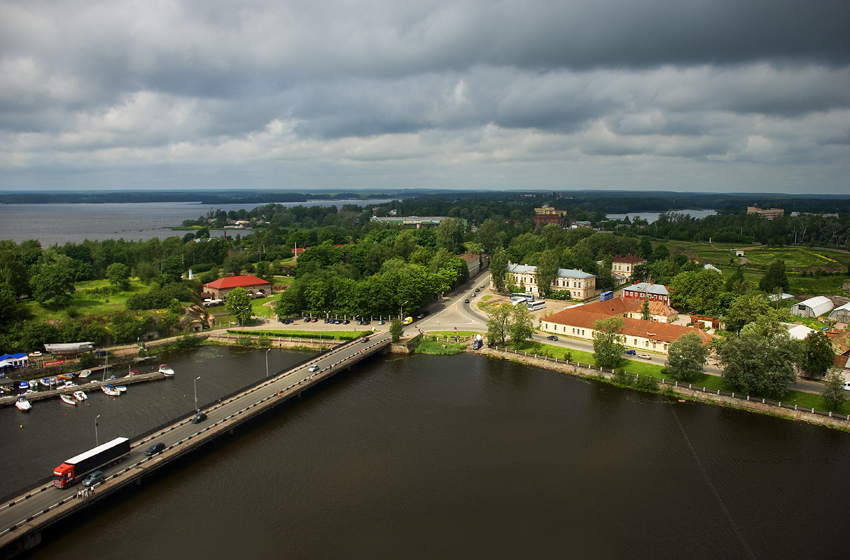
<point x="498" y="324"/>
<point x="522" y="324"/>
<point x="490" y="236"/>
<point x="816" y="356"/>
<point x="686" y="356"/>
<point x="608" y="347"/>
<point x="450" y="234"/>
<point x="499" y="269"/>
<point x="238" y="303"/>
<point x="118" y="275"/>
<point x="264" y="271"/>
<point x="172" y="268"/>
<point x="645" y="247"/>
<point x="745" y="309"/>
<point x="696" y="292"/>
<point x="547" y="270"/>
<point x="774" y="277"/>
<point x="834" y="395"/>
<point x="52" y="278"/>
<point x="760" y="359"/>
<point x="8" y="302"/>
<point x="646" y="314"/>
<point x="174" y="307"/>
<point x="396" y="329"/>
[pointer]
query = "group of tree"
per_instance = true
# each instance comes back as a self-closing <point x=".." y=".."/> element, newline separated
<point x="505" y="321"/>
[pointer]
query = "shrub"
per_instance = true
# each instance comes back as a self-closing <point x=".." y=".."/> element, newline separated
<point x="622" y="378"/>
<point x="646" y="383"/>
<point x="263" y="341"/>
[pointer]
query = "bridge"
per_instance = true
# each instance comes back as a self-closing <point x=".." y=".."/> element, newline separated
<point x="23" y="518"/>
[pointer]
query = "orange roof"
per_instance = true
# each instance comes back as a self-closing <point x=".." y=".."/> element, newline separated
<point x="619" y="306"/>
<point x="236" y="282"/>
<point x="662" y="332"/>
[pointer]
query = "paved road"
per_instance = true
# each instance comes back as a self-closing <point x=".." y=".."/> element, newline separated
<point x="47" y="496"/>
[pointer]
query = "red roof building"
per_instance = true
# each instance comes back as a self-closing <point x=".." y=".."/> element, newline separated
<point x="626" y="265"/>
<point x="257" y="287"/>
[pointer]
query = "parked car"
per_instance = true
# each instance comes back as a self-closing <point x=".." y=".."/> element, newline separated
<point x="346" y="322"/>
<point x="314" y="320"/>
<point x="154" y="449"/>
<point x="645" y="356"/>
<point x="94" y="478"/>
<point x="552" y="337"/>
<point x="476" y="345"/>
<point x="419" y="315"/>
<point x="381" y="322"/>
<point x="630" y="352"/>
<point x="198" y="417"/>
<point x="307" y="320"/>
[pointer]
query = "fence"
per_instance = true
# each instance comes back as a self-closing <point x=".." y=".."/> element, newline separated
<point x="676" y="385"/>
<point x="279" y="339"/>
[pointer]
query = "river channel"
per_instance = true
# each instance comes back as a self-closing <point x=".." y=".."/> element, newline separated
<point x="448" y="457"/>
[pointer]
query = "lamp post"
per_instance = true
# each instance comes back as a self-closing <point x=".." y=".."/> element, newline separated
<point x="401" y="311"/>
<point x="267" y="361"/>
<point x="96" y="439"/>
<point x="196" y="393"/>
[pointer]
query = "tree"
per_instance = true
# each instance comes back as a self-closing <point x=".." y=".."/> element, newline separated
<point x="760" y="359"/>
<point x="450" y="234"/>
<point x="645" y="247"/>
<point x="547" y="270"/>
<point x="52" y="278"/>
<point x="238" y="302"/>
<point x="816" y="354"/>
<point x="498" y="269"/>
<point x="522" y="324"/>
<point x="498" y="325"/>
<point x="696" y="292"/>
<point x="396" y="329"/>
<point x="118" y="275"/>
<point x="607" y="342"/>
<point x="774" y="277"/>
<point x="646" y="314"/>
<point x="746" y="308"/>
<point x="686" y="356"/>
<point x="172" y="268"/>
<point x="834" y="395"/>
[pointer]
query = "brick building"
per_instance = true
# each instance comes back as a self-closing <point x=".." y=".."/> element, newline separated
<point x="257" y="287"/>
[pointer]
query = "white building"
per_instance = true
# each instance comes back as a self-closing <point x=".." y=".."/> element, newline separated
<point x="841" y="314"/>
<point x="580" y="284"/>
<point x="814" y="307"/>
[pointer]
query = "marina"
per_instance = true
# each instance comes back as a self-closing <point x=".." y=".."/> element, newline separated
<point x="73" y="390"/>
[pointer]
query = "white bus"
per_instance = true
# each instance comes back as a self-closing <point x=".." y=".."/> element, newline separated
<point x="518" y="296"/>
<point x="535" y="305"/>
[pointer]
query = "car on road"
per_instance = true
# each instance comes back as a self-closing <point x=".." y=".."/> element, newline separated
<point x="94" y="478"/>
<point x="346" y="322"/>
<point x="466" y="301"/>
<point x="198" y="417"/>
<point x="419" y="315"/>
<point x="314" y="320"/>
<point x="477" y="289"/>
<point x="477" y="344"/>
<point x="552" y="337"/>
<point x="364" y="339"/>
<point x="645" y="356"/>
<point x="407" y="320"/>
<point x="314" y="367"/>
<point x="381" y="322"/>
<point x="630" y="352"/>
<point x="307" y="320"/>
<point x="154" y="449"/>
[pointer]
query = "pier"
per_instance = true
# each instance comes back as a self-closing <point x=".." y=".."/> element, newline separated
<point x="88" y="386"/>
<point x="25" y="517"/>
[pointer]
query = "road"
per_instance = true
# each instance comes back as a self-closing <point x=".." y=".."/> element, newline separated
<point x="47" y="496"/>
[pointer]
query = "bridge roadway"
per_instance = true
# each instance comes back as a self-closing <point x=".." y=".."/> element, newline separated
<point x="23" y="518"/>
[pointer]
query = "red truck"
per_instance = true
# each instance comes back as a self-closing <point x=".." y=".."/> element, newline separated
<point x="74" y="469"/>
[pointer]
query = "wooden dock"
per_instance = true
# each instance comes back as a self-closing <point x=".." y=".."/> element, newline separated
<point x="89" y="386"/>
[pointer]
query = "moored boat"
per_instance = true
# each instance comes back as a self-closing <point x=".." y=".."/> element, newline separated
<point x="119" y="388"/>
<point x="24" y="385"/>
<point x="33" y="384"/>
<point x="23" y="404"/>
<point x="68" y="400"/>
<point x="165" y="370"/>
<point x="45" y="382"/>
<point x="80" y="395"/>
<point x="111" y="392"/>
<point x="85" y="373"/>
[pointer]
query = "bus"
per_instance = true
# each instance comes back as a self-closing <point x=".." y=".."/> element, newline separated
<point x="522" y="295"/>
<point x="535" y="305"/>
<point x="605" y="296"/>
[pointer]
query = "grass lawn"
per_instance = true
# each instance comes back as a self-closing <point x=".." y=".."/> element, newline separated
<point x="336" y="335"/>
<point x="85" y="302"/>
<point x="282" y="280"/>
<point x="439" y="348"/>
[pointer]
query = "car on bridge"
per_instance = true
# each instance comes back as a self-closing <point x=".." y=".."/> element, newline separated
<point x="314" y="367"/>
<point x="198" y="417"/>
<point x="364" y="339"/>
<point x="154" y="449"/>
<point x="94" y="478"/>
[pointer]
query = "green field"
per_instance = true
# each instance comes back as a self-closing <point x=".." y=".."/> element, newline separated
<point x="85" y="301"/>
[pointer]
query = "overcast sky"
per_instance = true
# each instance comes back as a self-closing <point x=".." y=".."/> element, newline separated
<point x="686" y="95"/>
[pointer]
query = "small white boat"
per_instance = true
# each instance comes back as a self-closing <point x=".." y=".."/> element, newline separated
<point x="80" y="395"/>
<point x="23" y="404"/>
<point x="68" y="400"/>
<point x="165" y="370"/>
<point x="132" y="373"/>
<point x="111" y="392"/>
<point x="45" y="382"/>
<point x="69" y="384"/>
<point x="85" y="373"/>
<point x="33" y="383"/>
<point x="24" y="385"/>
<point x="119" y="388"/>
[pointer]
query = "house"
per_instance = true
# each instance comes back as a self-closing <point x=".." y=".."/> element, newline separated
<point x="417" y="221"/>
<point x="777" y="297"/>
<point x="841" y="314"/>
<point x="813" y="307"/>
<point x="626" y="265"/>
<point x="473" y="263"/>
<point x="633" y="309"/>
<point x="13" y="361"/>
<point x="548" y="215"/>
<point x="705" y="322"/>
<point x="69" y="350"/>
<point x="637" y="334"/>
<point x="769" y="213"/>
<point x="798" y="332"/>
<point x="842" y="366"/>
<point x="580" y="284"/>
<point x="655" y="292"/>
<point x="256" y="287"/>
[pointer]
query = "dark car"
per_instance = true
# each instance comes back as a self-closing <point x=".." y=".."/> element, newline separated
<point x="477" y="289"/>
<point x="307" y="320"/>
<point x="466" y="301"/>
<point x="94" y="478"/>
<point x="154" y="449"/>
<point x="346" y="322"/>
<point x="314" y="320"/>
<point x="476" y="345"/>
<point x="198" y="417"/>
<point x="419" y="315"/>
<point x="552" y="337"/>
<point x="364" y="339"/>
<point x="631" y="352"/>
